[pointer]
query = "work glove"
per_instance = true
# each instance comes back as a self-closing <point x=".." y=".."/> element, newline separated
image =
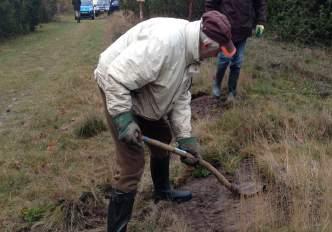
<point x="128" y="130"/>
<point x="259" y="30"/>
<point x="190" y="145"/>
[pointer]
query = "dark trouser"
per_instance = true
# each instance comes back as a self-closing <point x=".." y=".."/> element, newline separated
<point x="235" y="66"/>
<point x="129" y="167"/>
<point x="129" y="164"/>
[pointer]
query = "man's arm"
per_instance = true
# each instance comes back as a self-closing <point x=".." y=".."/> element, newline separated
<point x="118" y="97"/>
<point x="136" y="66"/>
<point x="261" y="11"/>
<point x="212" y="5"/>
<point x="180" y="116"/>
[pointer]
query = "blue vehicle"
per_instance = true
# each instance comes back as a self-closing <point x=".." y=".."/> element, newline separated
<point x="114" y="5"/>
<point x="87" y="9"/>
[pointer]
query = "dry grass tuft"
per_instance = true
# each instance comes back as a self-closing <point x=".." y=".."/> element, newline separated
<point x="87" y="212"/>
<point x="298" y="193"/>
<point x="91" y="126"/>
<point x="285" y="124"/>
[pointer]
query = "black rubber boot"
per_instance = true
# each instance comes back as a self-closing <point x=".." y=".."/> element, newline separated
<point x="160" y="178"/>
<point x="119" y="210"/>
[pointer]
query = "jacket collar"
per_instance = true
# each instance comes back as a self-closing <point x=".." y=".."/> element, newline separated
<point x="192" y="41"/>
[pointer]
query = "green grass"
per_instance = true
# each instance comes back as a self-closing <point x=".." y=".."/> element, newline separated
<point x="90" y="127"/>
<point x="200" y="172"/>
<point x="284" y="120"/>
<point x="284" y="117"/>
<point x="32" y="215"/>
<point x="46" y="81"/>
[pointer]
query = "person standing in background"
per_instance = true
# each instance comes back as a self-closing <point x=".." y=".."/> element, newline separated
<point x="243" y="15"/>
<point x="77" y="6"/>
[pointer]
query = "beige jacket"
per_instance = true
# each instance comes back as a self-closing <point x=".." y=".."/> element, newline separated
<point x="149" y="70"/>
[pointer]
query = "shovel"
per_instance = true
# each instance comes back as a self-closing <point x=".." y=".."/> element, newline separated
<point x="246" y="190"/>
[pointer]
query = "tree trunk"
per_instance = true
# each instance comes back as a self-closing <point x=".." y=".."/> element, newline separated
<point x="190" y="9"/>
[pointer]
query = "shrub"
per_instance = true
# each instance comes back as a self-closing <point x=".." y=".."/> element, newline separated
<point x="22" y="16"/>
<point x="306" y="21"/>
<point x="171" y="8"/>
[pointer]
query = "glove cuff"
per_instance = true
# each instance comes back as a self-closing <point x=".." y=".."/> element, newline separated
<point x="259" y="30"/>
<point x="187" y="141"/>
<point x="122" y="120"/>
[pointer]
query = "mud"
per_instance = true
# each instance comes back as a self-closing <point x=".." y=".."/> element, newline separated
<point x="202" y="105"/>
<point x="215" y="209"/>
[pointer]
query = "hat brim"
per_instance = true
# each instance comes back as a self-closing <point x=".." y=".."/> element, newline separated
<point x="228" y="49"/>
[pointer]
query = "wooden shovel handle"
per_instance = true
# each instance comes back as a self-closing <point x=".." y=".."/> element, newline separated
<point x="185" y="154"/>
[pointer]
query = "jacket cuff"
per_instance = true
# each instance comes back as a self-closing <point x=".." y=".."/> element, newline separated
<point x="186" y="141"/>
<point x="122" y="120"/>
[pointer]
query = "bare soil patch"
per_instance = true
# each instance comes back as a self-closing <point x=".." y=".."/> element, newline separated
<point x="214" y="208"/>
<point x="203" y="104"/>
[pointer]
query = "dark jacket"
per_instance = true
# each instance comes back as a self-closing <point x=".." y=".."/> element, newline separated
<point x="243" y="15"/>
<point x="76" y="4"/>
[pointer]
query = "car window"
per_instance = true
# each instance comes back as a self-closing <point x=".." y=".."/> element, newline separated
<point x="115" y="2"/>
<point x="85" y="2"/>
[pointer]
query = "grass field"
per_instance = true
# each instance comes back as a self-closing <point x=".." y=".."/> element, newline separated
<point x="46" y="92"/>
<point x="47" y="95"/>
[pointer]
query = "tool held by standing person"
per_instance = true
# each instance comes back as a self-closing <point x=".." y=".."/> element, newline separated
<point x="145" y="78"/>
